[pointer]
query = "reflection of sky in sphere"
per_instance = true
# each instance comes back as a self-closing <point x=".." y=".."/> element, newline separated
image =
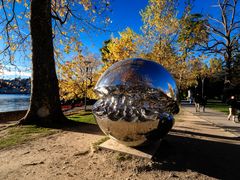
<point x="134" y="72"/>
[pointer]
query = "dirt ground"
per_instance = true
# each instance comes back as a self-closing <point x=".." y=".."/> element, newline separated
<point x="194" y="149"/>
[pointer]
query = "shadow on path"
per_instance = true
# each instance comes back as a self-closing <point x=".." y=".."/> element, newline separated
<point x="82" y="127"/>
<point x="214" y="159"/>
<point x="237" y="139"/>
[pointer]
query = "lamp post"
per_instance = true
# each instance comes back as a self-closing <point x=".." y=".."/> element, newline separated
<point x="86" y="86"/>
<point x="203" y="83"/>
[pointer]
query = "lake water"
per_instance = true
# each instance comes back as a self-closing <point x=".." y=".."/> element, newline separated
<point x="13" y="102"/>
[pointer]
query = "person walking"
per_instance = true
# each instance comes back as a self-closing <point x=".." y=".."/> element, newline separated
<point x="232" y="108"/>
<point x="203" y="102"/>
<point x="197" y="102"/>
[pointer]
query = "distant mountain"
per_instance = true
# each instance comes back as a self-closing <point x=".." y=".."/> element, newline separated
<point x="15" y="86"/>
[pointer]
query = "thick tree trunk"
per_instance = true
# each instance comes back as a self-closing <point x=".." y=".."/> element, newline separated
<point x="45" y="107"/>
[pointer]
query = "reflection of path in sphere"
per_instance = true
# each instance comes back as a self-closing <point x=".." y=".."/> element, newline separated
<point x="135" y="105"/>
<point x="138" y="98"/>
<point x="125" y="132"/>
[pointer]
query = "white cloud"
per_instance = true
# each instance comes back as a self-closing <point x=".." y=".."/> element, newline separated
<point x="13" y="74"/>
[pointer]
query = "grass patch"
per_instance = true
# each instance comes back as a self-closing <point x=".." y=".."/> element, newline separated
<point x="83" y="116"/>
<point x="218" y="107"/>
<point x="20" y="134"/>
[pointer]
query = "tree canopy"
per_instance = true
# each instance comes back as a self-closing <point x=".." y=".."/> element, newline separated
<point x="176" y="40"/>
<point x="46" y="19"/>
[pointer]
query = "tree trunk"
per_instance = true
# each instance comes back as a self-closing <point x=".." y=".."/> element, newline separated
<point x="45" y="107"/>
<point x="228" y="60"/>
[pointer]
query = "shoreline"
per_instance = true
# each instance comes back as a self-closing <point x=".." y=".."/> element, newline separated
<point x="15" y="94"/>
<point x="12" y="115"/>
<point x="16" y="115"/>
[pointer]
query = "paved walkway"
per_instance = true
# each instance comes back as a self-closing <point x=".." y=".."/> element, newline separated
<point x="218" y="119"/>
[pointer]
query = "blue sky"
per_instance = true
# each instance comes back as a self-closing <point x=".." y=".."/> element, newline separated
<point x="125" y="13"/>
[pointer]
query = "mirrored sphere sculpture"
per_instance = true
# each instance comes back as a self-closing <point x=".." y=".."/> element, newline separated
<point x="137" y="101"/>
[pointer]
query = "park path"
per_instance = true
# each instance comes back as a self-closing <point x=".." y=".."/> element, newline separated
<point x="218" y="119"/>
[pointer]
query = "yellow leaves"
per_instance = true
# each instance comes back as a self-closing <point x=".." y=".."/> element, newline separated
<point x="1" y="37"/>
<point x="25" y="4"/>
<point x="67" y="49"/>
<point x="72" y="76"/>
<point x="69" y="45"/>
<point x="193" y="31"/>
<point x="62" y="12"/>
<point x="18" y="1"/>
<point x="121" y="48"/>
<point x="215" y="65"/>
<point x="27" y="15"/>
<point x="169" y="38"/>
<point x="19" y="17"/>
<point x="86" y="4"/>
<point x="77" y="46"/>
<point x="160" y="16"/>
<point x="13" y="47"/>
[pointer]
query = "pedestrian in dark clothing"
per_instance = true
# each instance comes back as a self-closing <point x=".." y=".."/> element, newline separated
<point x="197" y="102"/>
<point x="203" y="103"/>
<point x="232" y="108"/>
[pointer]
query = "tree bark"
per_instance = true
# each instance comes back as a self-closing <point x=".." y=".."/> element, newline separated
<point x="45" y="107"/>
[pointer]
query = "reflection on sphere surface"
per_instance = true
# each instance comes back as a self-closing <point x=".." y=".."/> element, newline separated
<point x="137" y="101"/>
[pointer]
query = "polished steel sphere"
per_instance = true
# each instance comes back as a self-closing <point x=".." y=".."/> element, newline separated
<point x="137" y="101"/>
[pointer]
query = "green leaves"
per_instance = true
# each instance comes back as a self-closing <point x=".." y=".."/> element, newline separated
<point x="193" y="31"/>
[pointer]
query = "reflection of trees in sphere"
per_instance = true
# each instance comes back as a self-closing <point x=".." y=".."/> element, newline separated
<point x="138" y="98"/>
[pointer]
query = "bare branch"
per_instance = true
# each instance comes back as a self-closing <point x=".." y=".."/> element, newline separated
<point x="56" y="16"/>
<point x="86" y="22"/>
<point x="217" y="32"/>
<point x="212" y="49"/>
<point x="223" y="13"/>
<point x="233" y="15"/>
<point x="8" y="26"/>
<point x="213" y="39"/>
<point x="216" y="20"/>
<point x="60" y="30"/>
<point x="5" y="49"/>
